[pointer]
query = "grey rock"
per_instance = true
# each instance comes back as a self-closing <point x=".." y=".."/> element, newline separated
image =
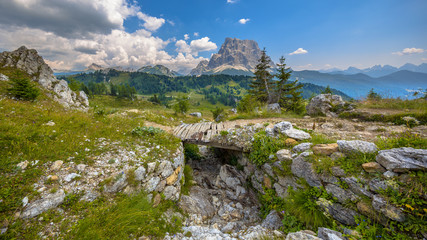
<point x="342" y="195"/>
<point x="140" y="173"/>
<point x="4" y="77"/>
<point x="280" y="192"/>
<point x="119" y="184"/>
<point x="200" y="68"/>
<point x="90" y="196"/>
<point x="390" y="211"/>
<point x="50" y="201"/>
<point x="166" y="168"/>
<point x="302" y="147"/>
<point x="269" y="132"/>
<point x="229" y="227"/>
<point x="56" y="165"/>
<point x="71" y="176"/>
<point x="337" y="155"/>
<point x="274" y="107"/>
<point x="328" y="234"/>
<point x="81" y="167"/>
<point x="272" y="221"/>
<point x="328" y="178"/>
<point x="152" y="184"/>
<point x="196" y="114"/>
<point x="357" y="187"/>
<point x="170" y="192"/>
<point x="198" y="202"/>
<point x="356" y="146"/>
<point x="337" y="171"/>
<point x="301" y="236"/>
<point x="23" y="165"/>
<point x="268" y="169"/>
<point x="304" y="169"/>
<point x="281" y="127"/>
<point x="284" y="155"/>
<point x="324" y="104"/>
<point x="151" y="167"/>
<point x="337" y="211"/>
<point x="390" y="174"/>
<point x="378" y="185"/>
<point x="228" y="175"/>
<point x="403" y="159"/>
<point x="297" y="134"/>
<point x="25" y="201"/>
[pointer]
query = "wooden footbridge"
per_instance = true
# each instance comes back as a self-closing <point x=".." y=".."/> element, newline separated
<point x="203" y="133"/>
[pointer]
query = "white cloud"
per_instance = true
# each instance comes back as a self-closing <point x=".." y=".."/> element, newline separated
<point x="308" y="66"/>
<point x="151" y="23"/>
<point x="423" y="59"/>
<point x="72" y="34"/>
<point x="195" y="46"/>
<point x="244" y="20"/>
<point x="67" y="18"/>
<point x="196" y="34"/>
<point x="408" y="51"/>
<point x="299" y="51"/>
<point x="232" y="1"/>
<point x="186" y="37"/>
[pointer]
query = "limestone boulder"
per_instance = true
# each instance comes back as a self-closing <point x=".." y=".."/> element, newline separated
<point x="50" y="201"/>
<point x="325" y="105"/>
<point x="356" y="146"/>
<point x="403" y="159"/>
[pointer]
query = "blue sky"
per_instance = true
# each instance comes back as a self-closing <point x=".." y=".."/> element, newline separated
<point x="118" y="32"/>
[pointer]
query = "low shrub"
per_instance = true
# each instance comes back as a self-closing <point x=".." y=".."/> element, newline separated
<point x="264" y="146"/>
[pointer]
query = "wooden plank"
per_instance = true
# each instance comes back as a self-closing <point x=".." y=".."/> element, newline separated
<point x="191" y="131"/>
<point x="177" y="129"/>
<point x="185" y="132"/>
<point x="181" y="130"/>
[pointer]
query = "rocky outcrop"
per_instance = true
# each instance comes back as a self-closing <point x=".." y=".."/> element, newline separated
<point x="50" y="201"/>
<point x="326" y="105"/>
<point x="33" y="64"/>
<point x="236" y="57"/>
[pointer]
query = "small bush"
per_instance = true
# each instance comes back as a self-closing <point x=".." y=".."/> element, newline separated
<point x="216" y="113"/>
<point x="191" y="151"/>
<point x="302" y="204"/>
<point x="248" y="104"/>
<point x="264" y="146"/>
<point x="144" y="131"/>
<point x="182" y="105"/>
<point x="22" y="87"/>
<point x="188" y="180"/>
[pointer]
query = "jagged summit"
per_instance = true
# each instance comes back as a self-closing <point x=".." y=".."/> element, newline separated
<point x="158" y="70"/>
<point x="29" y="61"/>
<point x="235" y="57"/>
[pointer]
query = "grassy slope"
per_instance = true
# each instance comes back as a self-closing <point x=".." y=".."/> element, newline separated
<point x="25" y="136"/>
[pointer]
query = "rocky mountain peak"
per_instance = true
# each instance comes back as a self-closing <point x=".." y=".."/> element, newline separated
<point x="235" y="56"/>
<point x="29" y="61"/>
<point x="94" y="67"/>
<point x="158" y="70"/>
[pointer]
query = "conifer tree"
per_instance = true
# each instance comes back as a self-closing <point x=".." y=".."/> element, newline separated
<point x="261" y="87"/>
<point x="22" y="87"/>
<point x="288" y="92"/>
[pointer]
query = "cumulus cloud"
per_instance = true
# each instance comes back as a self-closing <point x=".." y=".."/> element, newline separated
<point x="423" y="59"/>
<point x="244" y="20"/>
<point x="151" y="23"/>
<point x="67" y="18"/>
<point x="195" y="46"/>
<point x="186" y="37"/>
<point x="408" y="51"/>
<point x="299" y="51"/>
<point x="72" y="34"/>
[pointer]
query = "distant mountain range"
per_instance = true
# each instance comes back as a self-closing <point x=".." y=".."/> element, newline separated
<point x="358" y="85"/>
<point x="378" y="70"/>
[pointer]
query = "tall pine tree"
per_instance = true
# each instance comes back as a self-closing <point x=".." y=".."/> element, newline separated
<point x="288" y="92"/>
<point x="261" y="87"/>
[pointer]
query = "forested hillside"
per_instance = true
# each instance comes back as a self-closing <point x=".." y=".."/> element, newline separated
<point x="225" y="89"/>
